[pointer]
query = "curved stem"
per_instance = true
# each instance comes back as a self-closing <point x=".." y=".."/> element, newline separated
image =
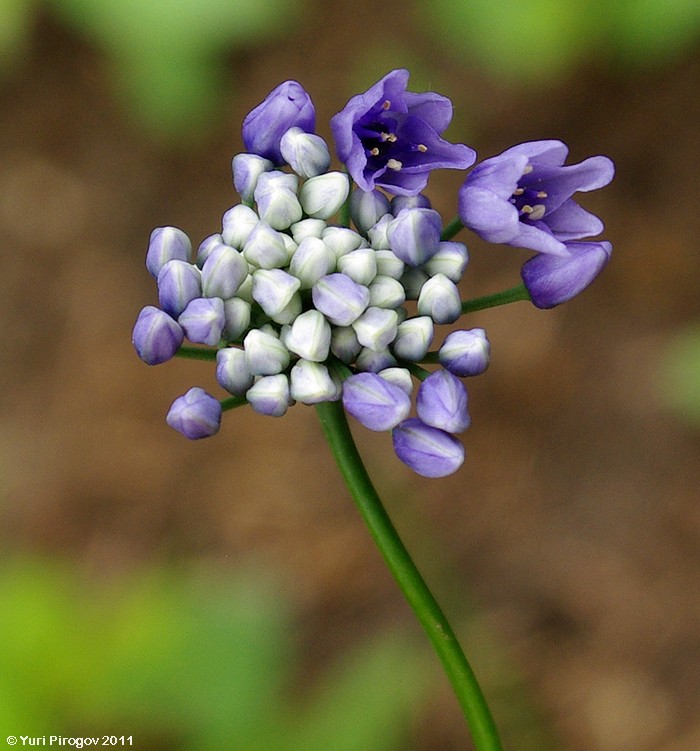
<point x="451" y="229"/>
<point x="514" y="294"/>
<point x="409" y="579"/>
<point x="196" y="353"/>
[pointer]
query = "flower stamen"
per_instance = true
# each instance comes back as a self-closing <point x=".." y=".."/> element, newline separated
<point x="422" y="148"/>
<point x="394" y="164"/>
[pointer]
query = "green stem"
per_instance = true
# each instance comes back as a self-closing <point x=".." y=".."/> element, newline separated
<point x="451" y="229"/>
<point x="514" y="294"/>
<point x="409" y="579"/>
<point x="196" y="353"/>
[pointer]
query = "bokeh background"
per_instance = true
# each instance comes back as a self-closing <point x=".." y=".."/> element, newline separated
<point x="224" y="593"/>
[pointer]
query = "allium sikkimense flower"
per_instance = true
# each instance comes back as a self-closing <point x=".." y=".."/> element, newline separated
<point x="287" y="106"/>
<point x="522" y="197"/>
<point x="389" y="137"/>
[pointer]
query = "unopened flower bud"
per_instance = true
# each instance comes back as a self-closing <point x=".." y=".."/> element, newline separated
<point x="376" y="328"/>
<point x="290" y="311"/>
<point x="223" y="272"/>
<point x="340" y="299"/>
<point x="415" y="235"/>
<point x="178" y="283"/>
<point x="360" y="265"/>
<point x="269" y="395"/>
<point x="265" y="353"/>
<point x="413" y="337"/>
<point x="374" y="401"/>
<point x="203" y="320"/>
<point x="247" y="168"/>
<point x="399" y="377"/>
<point x="237" y="224"/>
<point x="196" y="414"/>
<point x="156" y="337"/>
<point x="306" y="153"/>
<point x="379" y="234"/>
<point x="166" y="244"/>
<point x="322" y="196"/>
<point x="232" y="371"/>
<point x="389" y="264"/>
<point x="344" y="343"/>
<point x="312" y="260"/>
<point x="439" y="299"/>
<point x="245" y="291"/>
<point x="465" y="353"/>
<point x="236" y="318"/>
<point x="385" y="292"/>
<point x="273" y="289"/>
<point x="206" y="246"/>
<point x="311" y="383"/>
<point x="419" y="201"/>
<point x="307" y="228"/>
<point x="367" y="208"/>
<point x="277" y="200"/>
<point x="442" y="402"/>
<point x="285" y="107"/>
<point x="310" y="336"/>
<point x="371" y="361"/>
<point x="265" y="247"/>
<point x="428" y="451"/>
<point x="450" y="259"/>
<point x="342" y="240"/>
<point x="412" y="280"/>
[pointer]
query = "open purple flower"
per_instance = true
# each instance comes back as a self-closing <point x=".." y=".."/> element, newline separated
<point x="287" y="106"/>
<point x="523" y="197"/>
<point x="552" y="280"/>
<point x="390" y="137"/>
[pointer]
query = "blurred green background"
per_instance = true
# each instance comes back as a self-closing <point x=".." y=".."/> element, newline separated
<point x="224" y="594"/>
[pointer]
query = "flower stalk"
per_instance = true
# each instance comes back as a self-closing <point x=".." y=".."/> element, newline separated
<point x="409" y="579"/>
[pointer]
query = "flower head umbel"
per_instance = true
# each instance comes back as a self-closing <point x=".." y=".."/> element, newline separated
<point x="390" y="138"/>
<point x="523" y="197"/>
<point x="293" y="308"/>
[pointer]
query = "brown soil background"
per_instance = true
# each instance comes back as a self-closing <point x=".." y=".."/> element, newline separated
<point x="574" y="526"/>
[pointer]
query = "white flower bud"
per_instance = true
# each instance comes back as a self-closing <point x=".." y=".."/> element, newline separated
<point x="450" y="259"/>
<point x="323" y="195"/>
<point x="310" y="336"/>
<point x="312" y="260"/>
<point x="306" y="153"/>
<point x="344" y="343"/>
<point x="265" y="247"/>
<point x="308" y="228"/>
<point x="245" y="291"/>
<point x="360" y="265"/>
<point x="273" y="289"/>
<point x="342" y="240"/>
<point x="367" y="208"/>
<point x="270" y="395"/>
<point x="378" y="235"/>
<point x="290" y="311"/>
<point x="206" y="247"/>
<point x="237" y="224"/>
<point x="279" y="207"/>
<point x="232" y="371"/>
<point x="439" y="299"/>
<point x="236" y="318"/>
<point x="265" y="353"/>
<point x="311" y="383"/>
<point x="389" y="264"/>
<point x="399" y="377"/>
<point x="413" y="337"/>
<point x="376" y="328"/>
<point x="223" y="272"/>
<point x="166" y="244"/>
<point x="385" y="292"/>
<point x="247" y="168"/>
<point x="412" y="281"/>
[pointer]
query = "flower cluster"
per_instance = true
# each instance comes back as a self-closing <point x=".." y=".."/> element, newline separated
<point x="294" y="308"/>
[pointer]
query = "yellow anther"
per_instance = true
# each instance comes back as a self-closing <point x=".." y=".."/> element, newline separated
<point x="394" y="164"/>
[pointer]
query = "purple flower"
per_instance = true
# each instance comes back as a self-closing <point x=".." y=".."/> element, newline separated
<point x="157" y="337"/>
<point x="552" y="280"/>
<point x="196" y="414"/>
<point x="389" y="137"/>
<point x="442" y="402"/>
<point x="523" y="197"/>
<point x="287" y="106"/>
<point x="373" y="401"/>
<point x="428" y="451"/>
<point x="203" y="320"/>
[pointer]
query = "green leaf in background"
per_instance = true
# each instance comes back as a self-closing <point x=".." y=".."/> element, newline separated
<point x="188" y="659"/>
<point x="680" y="378"/>
<point x="168" y="56"/>
<point x="15" y="24"/>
